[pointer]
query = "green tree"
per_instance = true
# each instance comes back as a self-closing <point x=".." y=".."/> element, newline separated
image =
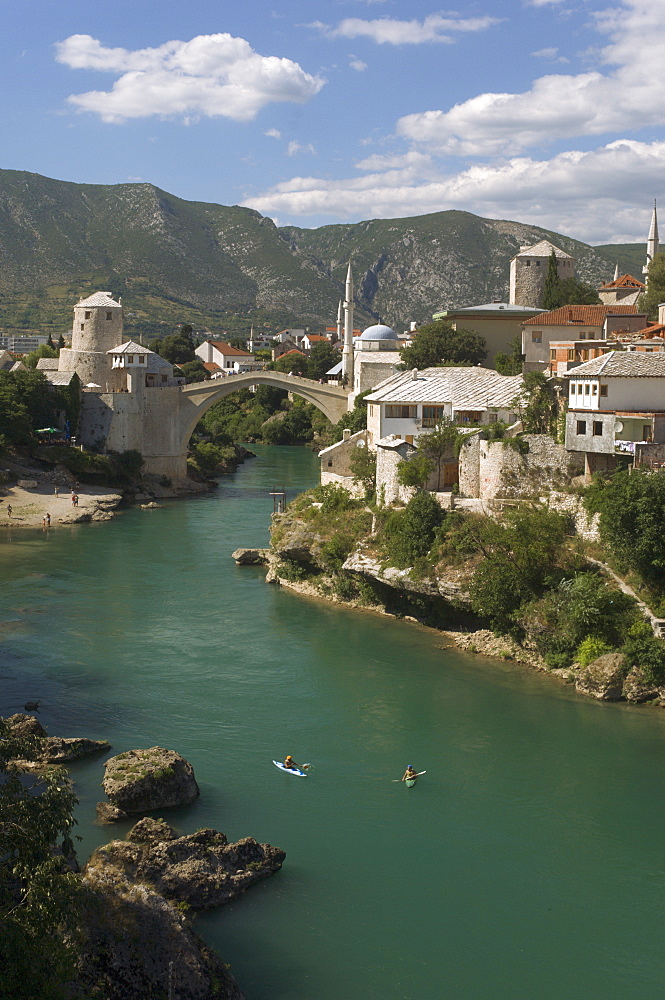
<point x="39" y="895"/>
<point x="363" y="469"/>
<point x="61" y="342"/>
<point x="178" y="347"/>
<point x="44" y="351"/>
<point x="510" y="363"/>
<point x="322" y="357"/>
<point x="439" y="445"/>
<point x="270" y="397"/>
<point x="632" y="520"/>
<point x="50" y="343"/>
<point x="409" y="533"/>
<point x="415" y="471"/>
<point x="551" y="288"/>
<point x="293" y="361"/>
<point x="655" y="292"/>
<point x="536" y="404"/>
<point x="559" y="292"/>
<point x="355" y="420"/>
<point x="521" y="555"/>
<point x="194" y="371"/>
<point x="438" y="343"/>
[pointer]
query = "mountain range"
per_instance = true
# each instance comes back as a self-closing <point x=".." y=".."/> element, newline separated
<point x="223" y="268"/>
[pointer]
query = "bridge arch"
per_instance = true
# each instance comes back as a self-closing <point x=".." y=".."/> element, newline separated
<point x="195" y="399"/>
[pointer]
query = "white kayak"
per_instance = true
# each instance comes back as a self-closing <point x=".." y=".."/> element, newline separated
<point x="290" y="770"/>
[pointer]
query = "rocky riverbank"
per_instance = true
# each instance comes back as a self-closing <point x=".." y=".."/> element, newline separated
<point x="299" y="559"/>
<point x="134" y="937"/>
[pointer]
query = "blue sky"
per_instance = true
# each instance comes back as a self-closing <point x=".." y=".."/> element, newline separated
<point x="325" y="111"/>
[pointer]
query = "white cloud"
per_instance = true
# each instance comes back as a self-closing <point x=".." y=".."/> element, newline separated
<point x="562" y="106"/>
<point x="357" y="64"/>
<point x="550" y="54"/>
<point x="210" y="75"/>
<point x="596" y="196"/>
<point x="295" y="147"/>
<point x="385" y="30"/>
<point x="273" y="133"/>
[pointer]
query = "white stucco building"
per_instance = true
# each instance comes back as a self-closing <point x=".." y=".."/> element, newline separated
<point x="616" y="404"/>
<point x="410" y="403"/>
<point x="230" y="359"/>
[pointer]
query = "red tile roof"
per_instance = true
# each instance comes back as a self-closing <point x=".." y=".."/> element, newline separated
<point x="579" y="315"/>
<point x="294" y="351"/>
<point x="625" y="281"/>
<point x="316" y="337"/>
<point x="226" y="349"/>
<point x="211" y="366"/>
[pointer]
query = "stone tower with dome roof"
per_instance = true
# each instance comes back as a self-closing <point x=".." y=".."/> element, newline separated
<point x="97" y="329"/>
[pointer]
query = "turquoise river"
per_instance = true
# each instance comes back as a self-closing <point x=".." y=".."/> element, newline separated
<point x="527" y="864"/>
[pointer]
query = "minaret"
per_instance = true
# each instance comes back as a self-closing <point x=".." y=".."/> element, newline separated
<point x="340" y="323"/>
<point x="652" y="241"/>
<point x="347" y="350"/>
<point x="616" y="272"/>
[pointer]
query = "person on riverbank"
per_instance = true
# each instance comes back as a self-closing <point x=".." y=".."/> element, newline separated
<point x="410" y="773"/>
<point x="9" y="510"/>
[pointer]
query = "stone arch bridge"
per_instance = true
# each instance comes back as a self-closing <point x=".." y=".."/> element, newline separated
<point x="195" y="399"/>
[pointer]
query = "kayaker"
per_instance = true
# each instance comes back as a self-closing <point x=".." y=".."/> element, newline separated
<point x="409" y="773"/>
<point x="291" y="764"/>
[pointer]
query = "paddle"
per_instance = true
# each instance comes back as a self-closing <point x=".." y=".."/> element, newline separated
<point x="416" y="775"/>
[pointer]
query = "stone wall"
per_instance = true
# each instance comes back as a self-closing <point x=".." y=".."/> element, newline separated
<point x="491" y="469"/>
<point x="145" y="420"/>
<point x="586" y="525"/>
<point x="389" y="453"/>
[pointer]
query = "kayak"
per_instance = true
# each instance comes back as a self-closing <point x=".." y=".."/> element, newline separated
<point x="410" y="782"/>
<point x="290" y="770"/>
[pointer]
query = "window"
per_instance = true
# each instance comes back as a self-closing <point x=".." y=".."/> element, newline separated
<point x="141" y="359"/>
<point x="586" y="389"/>
<point x="528" y="263"/>
<point x="401" y="412"/>
<point x="537" y="337"/>
<point x="130" y="359"/>
<point x="603" y="390"/>
<point x="83" y="326"/>
<point x="583" y="336"/>
<point x="371" y="409"/>
<point x="552" y="355"/>
<point x="432" y="415"/>
<point x="597" y="428"/>
<point x="493" y="417"/>
<point x="537" y="263"/>
<point x="581" y="427"/>
<point x="87" y="315"/>
<point x="571" y="355"/>
<point x="646" y="432"/>
<point x="594" y="390"/>
<point x="109" y="315"/>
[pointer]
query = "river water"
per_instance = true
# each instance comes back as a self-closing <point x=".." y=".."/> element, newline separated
<point x="527" y="864"/>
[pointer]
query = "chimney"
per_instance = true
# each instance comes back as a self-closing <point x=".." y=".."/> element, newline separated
<point x="346" y="434"/>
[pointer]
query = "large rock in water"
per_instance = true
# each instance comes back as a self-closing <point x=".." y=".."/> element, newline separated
<point x="134" y="944"/>
<point x="141" y="780"/>
<point x="603" y="678"/>
<point x="201" y="869"/>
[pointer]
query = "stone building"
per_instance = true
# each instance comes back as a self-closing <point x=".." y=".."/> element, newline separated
<point x="129" y="393"/>
<point x="528" y="270"/>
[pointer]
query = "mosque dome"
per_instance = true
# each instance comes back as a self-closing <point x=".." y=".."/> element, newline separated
<point x="379" y="332"/>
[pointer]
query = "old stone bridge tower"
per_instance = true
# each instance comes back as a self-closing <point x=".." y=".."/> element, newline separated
<point x="131" y="398"/>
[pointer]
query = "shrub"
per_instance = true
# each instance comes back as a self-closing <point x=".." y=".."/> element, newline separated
<point x="642" y="649"/>
<point x="409" y="533"/>
<point x="590" y="649"/>
<point x="293" y="571"/>
<point x="333" y="498"/>
<point x="335" y="551"/>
